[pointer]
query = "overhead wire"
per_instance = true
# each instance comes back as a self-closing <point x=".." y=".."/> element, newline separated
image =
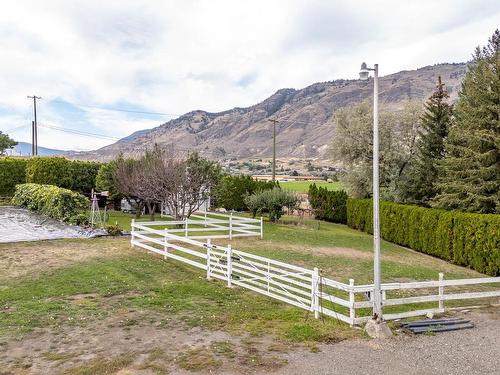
<point x="116" y="109"/>
<point x="79" y="132"/>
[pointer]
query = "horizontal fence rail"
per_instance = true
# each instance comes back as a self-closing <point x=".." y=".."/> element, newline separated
<point x="203" y="225"/>
<point x="301" y="287"/>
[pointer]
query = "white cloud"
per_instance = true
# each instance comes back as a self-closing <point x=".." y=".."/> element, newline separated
<point x="177" y="56"/>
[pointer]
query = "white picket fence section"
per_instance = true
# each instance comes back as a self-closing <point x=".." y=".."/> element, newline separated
<point x="205" y="225"/>
<point x="297" y="286"/>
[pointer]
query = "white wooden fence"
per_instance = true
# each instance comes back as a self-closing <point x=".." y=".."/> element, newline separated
<point x="210" y="225"/>
<point x="298" y="286"/>
<point x="426" y="292"/>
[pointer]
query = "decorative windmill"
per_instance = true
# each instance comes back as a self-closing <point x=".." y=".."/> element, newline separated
<point x="95" y="214"/>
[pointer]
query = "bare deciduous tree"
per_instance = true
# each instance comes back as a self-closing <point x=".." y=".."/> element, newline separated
<point x="162" y="177"/>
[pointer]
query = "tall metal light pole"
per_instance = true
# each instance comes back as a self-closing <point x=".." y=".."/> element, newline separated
<point x="377" y="298"/>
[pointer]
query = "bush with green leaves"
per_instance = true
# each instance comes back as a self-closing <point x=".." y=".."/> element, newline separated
<point x="75" y="175"/>
<point x="328" y="205"/>
<point x="79" y="219"/>
<point x="58" y="203"/>
<point x="231" y="191"/>
<point x="271" y="202"/>
<point x="466" y="239"/>
<point x="104" y="180"/>
<point x="114" y="230"/>
<point x="12" y="172"/>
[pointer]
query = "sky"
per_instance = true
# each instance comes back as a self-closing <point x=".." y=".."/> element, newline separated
<point x="95" y="62"/>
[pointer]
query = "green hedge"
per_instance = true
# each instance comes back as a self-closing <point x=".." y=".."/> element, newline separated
<point x="466" y="239"/>
<point x="70" y="174"/>
<point x="232" y="190"/>
<point x="328" y="205"/>
<point x="58" y="203"/>
<point x="12" y="172"/>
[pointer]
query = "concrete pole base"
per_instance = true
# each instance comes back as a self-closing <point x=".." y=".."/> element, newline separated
<point x="377" y="330"/>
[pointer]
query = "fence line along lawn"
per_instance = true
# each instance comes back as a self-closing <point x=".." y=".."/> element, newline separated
<point x="102" y="286"/>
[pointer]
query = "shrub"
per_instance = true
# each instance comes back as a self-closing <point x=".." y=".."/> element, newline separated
<point x="12" y="172"/>
<point x="58" y="203"/>
<point x="272" y="202"/>
<point x="79" y="219"/>
<point x="328" y="205"/>
<point x="114" y="230"/>
<point x="74" y="175"/>
<point x="104" y="180"/>
<point x="231" y="191"/>
<point x="467" y="239"/>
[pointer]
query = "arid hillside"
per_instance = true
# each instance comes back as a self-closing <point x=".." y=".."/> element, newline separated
<point x="305" y="118"/>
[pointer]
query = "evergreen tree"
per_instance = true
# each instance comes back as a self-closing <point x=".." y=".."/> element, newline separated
<point x="421" y="185"/>
<point x="471" y="168"/>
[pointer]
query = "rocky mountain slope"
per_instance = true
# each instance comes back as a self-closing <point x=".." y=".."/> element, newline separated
<point x="305" y="118"/>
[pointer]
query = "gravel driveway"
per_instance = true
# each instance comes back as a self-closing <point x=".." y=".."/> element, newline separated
<point x="468" y="352"/>
<point x="18" y="224"/>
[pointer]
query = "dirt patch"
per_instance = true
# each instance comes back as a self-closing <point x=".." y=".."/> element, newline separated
<point x="343" y="252"/>
<point x="24" y="258"/>
<point x="152" y="345"/>
<point x="156" y="346"/>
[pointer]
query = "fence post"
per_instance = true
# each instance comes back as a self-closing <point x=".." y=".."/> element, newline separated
<point x="268" y="275"/>
<point x="205" y="219"/>
<point x="132" y="237"/>
<point x="229" y="266"/>
<point x="441" y="292"/>
<point x="352" y="309"/>
<point x="231" y="226"/>
<point x="165" y="246"/>
<point x="209" y="250"/>
<point x="314" y="292"/>
<point x="261" y="229"/>
<point x="186" y="228"/>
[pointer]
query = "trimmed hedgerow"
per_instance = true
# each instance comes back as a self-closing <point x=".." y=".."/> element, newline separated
<point x="467" y="239"/>
<point x="75" y="175"/>
<point x="58" y="203"/>
<point x="12" y="172"/>
<point x="328" y="205"/>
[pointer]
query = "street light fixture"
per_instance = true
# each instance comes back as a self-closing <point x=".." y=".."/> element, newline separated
<point x="364" y="74"/>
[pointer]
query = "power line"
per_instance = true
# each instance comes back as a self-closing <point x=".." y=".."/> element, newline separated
<point x="11" y="130"/>
<point x="117" y="109"/>
<point x="80" y="132"/>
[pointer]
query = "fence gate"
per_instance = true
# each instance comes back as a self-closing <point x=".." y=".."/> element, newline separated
<point x="285" y="282"/>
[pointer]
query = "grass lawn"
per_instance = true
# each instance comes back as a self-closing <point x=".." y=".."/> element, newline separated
<point x="123" y="219"/>
<point x="303" y="186"/>
<point x="103" y="288"/>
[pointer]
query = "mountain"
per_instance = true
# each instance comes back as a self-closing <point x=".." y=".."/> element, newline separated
<point x="24" y="149"/>
<point x="305" y="117"/>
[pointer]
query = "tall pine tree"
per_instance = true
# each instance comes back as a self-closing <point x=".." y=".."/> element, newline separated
<point x="421" y="184"/>
<point x="470" y="178"/>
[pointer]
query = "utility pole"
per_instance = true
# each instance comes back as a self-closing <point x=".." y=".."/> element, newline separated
<point x="274" y="121"/>
<point x="32" y="138"/>
<point x="34" y="135"/>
